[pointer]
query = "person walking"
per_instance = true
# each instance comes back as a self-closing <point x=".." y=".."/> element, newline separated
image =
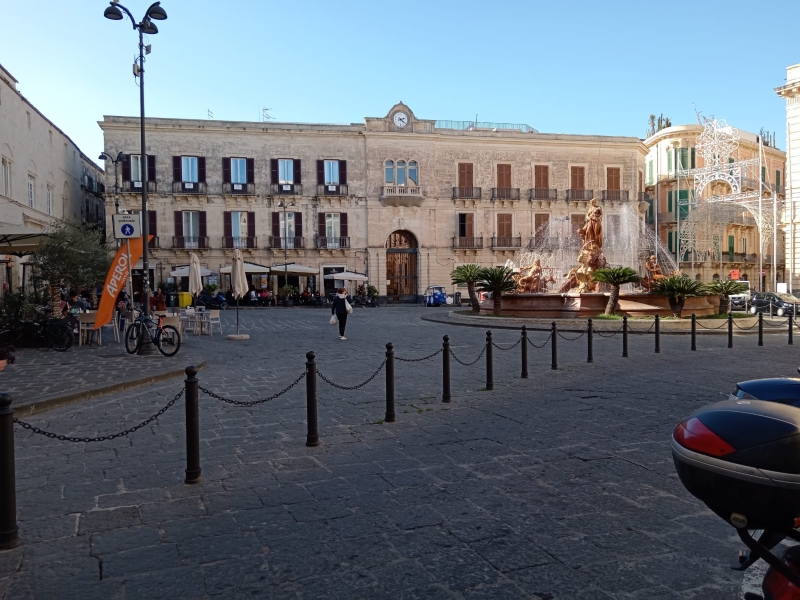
<point x="340" y="309"/>
<point x="161" y="301"/>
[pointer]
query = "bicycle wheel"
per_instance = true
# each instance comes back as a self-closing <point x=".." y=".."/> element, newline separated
<point x="133" y="338"/>
<point x="168" y="340"/>
<point x="59" y="337"/>
<point x="8" y="336"/>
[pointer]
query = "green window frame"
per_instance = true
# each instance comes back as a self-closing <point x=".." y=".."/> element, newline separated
<point x="683" y="204"/>
<point x="669" y="241"/>
<point x="669" y="160"/>
<point x="669" y="201"/>
<point x="694" y="159"/>
<point x="731" y="244"/>
<point x="777" y="178"/>
<point x="764" y="174"/>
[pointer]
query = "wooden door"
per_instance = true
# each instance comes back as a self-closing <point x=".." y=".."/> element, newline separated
<point x="401" y="274"/>
<point x="504" y="225"/>
<point x="612" y="178"/>
<point x="504" y="176"/>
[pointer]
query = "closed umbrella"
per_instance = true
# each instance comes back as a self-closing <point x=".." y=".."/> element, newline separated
<point x="238" y="281"/>
<point x="195" y="280"/>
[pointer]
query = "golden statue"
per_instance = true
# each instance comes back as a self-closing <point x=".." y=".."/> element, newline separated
<point x="653" y="272"/>
<point x="592" y="230"/>
<point x="591" y="254"/>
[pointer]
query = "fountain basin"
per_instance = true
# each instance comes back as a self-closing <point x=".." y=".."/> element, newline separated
<point x="574" y="305"/>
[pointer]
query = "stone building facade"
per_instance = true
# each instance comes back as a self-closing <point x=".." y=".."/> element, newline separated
<point x="401" y="199"/>
<point x="790" y="91"/>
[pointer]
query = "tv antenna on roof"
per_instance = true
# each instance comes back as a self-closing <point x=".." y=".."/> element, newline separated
<point x="265" y="116"/>
<point x="210" y="114"/>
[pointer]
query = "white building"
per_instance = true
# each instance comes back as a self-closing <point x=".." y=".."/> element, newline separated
<point x="791" y="91"/>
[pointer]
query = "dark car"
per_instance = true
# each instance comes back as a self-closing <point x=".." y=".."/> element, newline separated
<point x="782" y="304"/>
<point x="783" y="390"/>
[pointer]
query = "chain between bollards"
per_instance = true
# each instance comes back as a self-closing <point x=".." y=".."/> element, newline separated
<point x="446" y="369"/>
<point x="553" y="347"/>
<point x="694" y="333"/>
<point x="193" y="472"/>
<point x="524" y="334"/>
<point x="730" y="330"/>
<point x="9" y="532"/>
<point x="625" y="336"/>
<point x="390" y="416"/>
<point x="312" y="438"/>
<point x="489" y="365"/>
<point x="590" y="342"/>
<point x="761" y="328"/>
<point x="791" y="333"/>
<point x="658" y="334"/>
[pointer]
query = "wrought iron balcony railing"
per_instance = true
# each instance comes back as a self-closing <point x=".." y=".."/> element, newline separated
<point x="189" y="187"/>
<point x="154" y="242"/>
<point x="505" y="193"/>
<point x="466" y="193"/>
<point x="542" y="194"/>
<point x="614" y="195"/>
<point x="286" y="189"/>
<point x="190" y="242"/>
<point x="580" y="194"/>
<point x="239" y="242"/>
<point x="332" y="242"/>
<point x="332" y="189"/>
<point x="243" y="189"/>
<point x="468" y="242"/>
<point x="289" y="243"/>
<point x="135" y="187"/>
<point x="506" y="242"/>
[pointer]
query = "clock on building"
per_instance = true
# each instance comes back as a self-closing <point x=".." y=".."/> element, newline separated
<point x="400" y="119"/>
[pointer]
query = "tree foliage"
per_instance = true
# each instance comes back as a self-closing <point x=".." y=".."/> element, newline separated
<point x="724" y="288"/>
<point x="497" y="280"/>
<point x="615" y="277"/>
<point x="677" y="288"/>
<point x="468" y="275"/>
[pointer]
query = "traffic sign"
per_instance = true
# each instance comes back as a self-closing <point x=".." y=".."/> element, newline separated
<point x="127" y="227"/>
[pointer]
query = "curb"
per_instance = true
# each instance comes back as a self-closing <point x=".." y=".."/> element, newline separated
<point x="40" y="406"/>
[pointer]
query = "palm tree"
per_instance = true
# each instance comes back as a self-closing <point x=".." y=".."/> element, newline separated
<point x="497" y="280"/>
<point x="468" y="275"/>
<point x="724" y="288"/>
<point x="615" y="277"/>
<point x="677" y="288"/>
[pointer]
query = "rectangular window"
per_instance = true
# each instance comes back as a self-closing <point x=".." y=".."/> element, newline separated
<point x="332" y="229"/>
<point x="541" y="177"/>
<point x="777" y="179"/>
<point x="669" y="201"/>
<point x="764" y="174"/>
<point x="191" y="228"/>
<point x="401" y="172"/>
<point x="577" y="178"/>
<point x="188" y="169"/>
<point x="389" y="173"/>
<point x="682" y="203"/>
<point x="331" y="172"/>
<point x="731" y="244"/>
<point x="136" y="167"/>
<point x="287" y="229"/>
<point x="286" y="171"/>
<point x="650" y="172"/>
<point x="613" y="178"/>
<point x="669" y="160"/>
<point x="6" y="178"/>
<point x="694" y="159"/>
<point x="466" y="225"/>
<point x="413" y="172"/>
<point x="541" y="222"/>
<point x="31" y="191"/>
<point x="669" y="241"/>
<point x="49" y="200"/>
<point x="239" y="227"/>
<point x="683" y="158"/>
<point x="504" y="225"/>
<point x="744" y="245"/>
<point x="504" y="176"/>
<point x="239" y="171"/>
<point x="465" y="178"/>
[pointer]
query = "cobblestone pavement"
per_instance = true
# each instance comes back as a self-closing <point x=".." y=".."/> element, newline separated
<point x="559" y="486"/>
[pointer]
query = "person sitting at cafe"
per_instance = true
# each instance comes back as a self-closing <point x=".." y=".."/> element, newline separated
<point x="253" y="297"/>
<point x="76" y="303"/>
<point x="304" y="297"/>
<point x="269" y="299"/>
<point x="161" y="300"/>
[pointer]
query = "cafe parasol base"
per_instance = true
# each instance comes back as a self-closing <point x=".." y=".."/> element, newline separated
<point x="238" y="337"/>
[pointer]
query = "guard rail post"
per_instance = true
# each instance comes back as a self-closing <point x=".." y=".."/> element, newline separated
<point x="390" y="416"/>
<point x="694" y="333"/>
<point x="193" y="472"/>
<point x="312" y="438"/>
<point x="590" y="342"/>
<point x="625" y="336"/>
<point x="9" y="536"/>
<point x="760" y="329"/>
<point x="553" y="347"/>
<point x="658" y="334"/>
<point x="446" y="369"/>
<point x="730" y="330"/>
<point x="524" y="344"/>
<point x="489" y="365"/>
<point x="791" y="333"/>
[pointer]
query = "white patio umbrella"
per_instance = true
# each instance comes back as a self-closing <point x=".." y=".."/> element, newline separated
<point x="347" y="276"/>
<point x="239" y="285"/>
<point x="195" y="279"/>
<point x="182" y="271"/>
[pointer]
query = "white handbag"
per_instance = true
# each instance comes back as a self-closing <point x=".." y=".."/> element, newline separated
<point x="333" y="320"/>
<point x="348" y="307"/>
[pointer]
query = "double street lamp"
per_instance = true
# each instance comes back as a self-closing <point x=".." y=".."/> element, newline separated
<point x="116" y="161"/>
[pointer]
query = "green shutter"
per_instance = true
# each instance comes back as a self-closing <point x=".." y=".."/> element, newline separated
<point x="777" y="179"/>
<point x="683" y="156"/>
<point x="669" y="241"/>
<point x="694" y="159"/>
<point x="764" y="174"/>
<point x="669" y="201"/>
<point x="731" y="244"/>
<point x="669" y="160"/>
<point x="683" y="203"/>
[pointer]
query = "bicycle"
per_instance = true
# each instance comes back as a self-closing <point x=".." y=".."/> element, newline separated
<point x="165" y="337"/>
<point x="52" y="333"/>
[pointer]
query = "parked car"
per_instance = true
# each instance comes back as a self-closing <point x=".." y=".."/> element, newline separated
<point x="782" y="304"/>
<point x="741" y="301"/>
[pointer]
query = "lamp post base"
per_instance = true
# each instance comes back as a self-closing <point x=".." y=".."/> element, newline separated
<point x="147" y="348"/>
<point x="238" y="336"/>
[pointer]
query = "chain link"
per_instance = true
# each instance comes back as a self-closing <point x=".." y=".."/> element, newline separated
<point x="354" y="387"/>
<point x="563" y="337"/>
<point x="543" y="344"/>
<point x="745" y="328"/>
<point x="103" y="438"/>
<point x="649" y="329"/>
<point x="253" y="402"/>
<point x="610" y="335"/>
<point x="711" y="328"/>
<point x="461" y="362"/>
<point x="439" y="351"/>
<point x="509" y="347"/>
<point x="768" y="324"/>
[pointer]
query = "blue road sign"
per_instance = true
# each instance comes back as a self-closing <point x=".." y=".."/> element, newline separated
<point x="127" y="229"/>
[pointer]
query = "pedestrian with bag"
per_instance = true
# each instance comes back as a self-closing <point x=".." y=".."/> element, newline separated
<point x="339" y="311"/>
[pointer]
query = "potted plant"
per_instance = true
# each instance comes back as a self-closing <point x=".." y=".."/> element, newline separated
<point x="677" y="288"/>
<point x="725" y="288"/>
<point x="288" y="292"/>
<point x="468" y="275"/>
<point x="7" y="356"/>
<point x="372" y="294"/>
<point x="497" y="280"/>
<point x="615" y="277"/>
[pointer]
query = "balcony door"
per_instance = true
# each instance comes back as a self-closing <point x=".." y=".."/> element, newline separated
<point x="401" y="267"/>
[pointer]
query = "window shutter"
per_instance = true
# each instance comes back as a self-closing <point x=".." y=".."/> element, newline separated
<point x="203" y="227"/>
<point x="297" y="172"/>
<point x="541" y="177"/>
<point x="504" y="176"/>
<point x="321" y="225"/>
<point x="227" y="229"/>
<point x="226" y="171"/>
<point x="343" y="172"/>
<point x="151" y="167"/>
<point x="152" y="223"/>
<point x="179" y="225"/>
<point x="298" y="224"/>
<point x="320" y="172"/>
<point x="669" y="201"/>
<point x="612" y="178"/>
<point x="469" y="225"/>
<point x="764" y="174"/>
<point x="251" y="227"/>
<point x="176" y="168"/>
<point x="694" y="159"/>
<point x="777" y="178"/>
<point x="273" y="170"/>
<point x="201" y="169"/>
<point x="343" y="224"/>
<point x="126" y="167"/>
<point x="669" y="241"/>
<point x="251" y="170"/>
<point x="669" y="159"/>
<point x="276" y="224"/>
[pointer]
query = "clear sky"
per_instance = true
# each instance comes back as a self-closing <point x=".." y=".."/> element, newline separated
<point x="568" y="66"/>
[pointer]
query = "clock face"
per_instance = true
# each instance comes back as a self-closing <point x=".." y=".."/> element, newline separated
<point x="400" y="119"/>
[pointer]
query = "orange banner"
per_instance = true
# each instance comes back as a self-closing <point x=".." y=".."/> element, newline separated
<point x="116" y="278"/>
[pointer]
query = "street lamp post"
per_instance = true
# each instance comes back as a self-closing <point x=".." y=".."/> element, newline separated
<point x="116" y="161"/>
<point x="284" y="206"/>
<point x="146" y="25"/>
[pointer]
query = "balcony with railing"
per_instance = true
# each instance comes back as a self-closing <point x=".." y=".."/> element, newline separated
<point x="740" y="257"/>
<point x="135" y="187"/>
<point x="190" y="242"/>
<point x="239" y="189"/>
<point x="332" y="189"/>
<point x="580" y="195"/>
<point x="505" y="193"/>
<point x="668" y="217"/>
<point x="618" y="195"/>
<point x="542" y="194"/>
<point x="468" y="242"/>
<point x="780" y="259"/>
<point x="189" y="187"/>
<point x="332" y="243"/>
<point x="506" y="242"/>
<point x="239" y="242"/>
<point x="286" y="189"/>
<point x="154" y="242"/>
<point x="290" y="243"/>
<point x="402" y="195"/>
<point x="466" y="193"/>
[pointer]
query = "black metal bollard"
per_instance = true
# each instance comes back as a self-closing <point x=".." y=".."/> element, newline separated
<point x="390" y="416"/>
<point x="312" y="438"/>
<point x="9" y="537"/>
<point x="193" y="472"/>
<point x="760" y="329"/>
<point x="590" y="349"/>
<point x="658" y="334"/>
<point x="489" y="365"/>
<point x="791" y="333"/>
<point x="524" y="344"/>
<point x="554" y="347"/>
<point x="730" y="330"/>
<point x="625" y="336"/>
<point x="694" y="332"/>
<point x="446" y="369"/>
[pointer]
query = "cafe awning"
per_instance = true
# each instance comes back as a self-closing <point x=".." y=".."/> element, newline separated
<point x="347" y="276"/>
<point x="249" y="267"/>
<point x="19" y="240"/>
<point x="184" y="272"/>
<point x="293" y="269"/>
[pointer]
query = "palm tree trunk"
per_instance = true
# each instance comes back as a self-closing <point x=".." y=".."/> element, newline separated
<point x="676" y="304"/>
<point x="613" y="298"/>
<point x="497" y="301"/>
<point x="724" y="304"/>
<point x="473" y="297"/>
<point x="55" y="300"/>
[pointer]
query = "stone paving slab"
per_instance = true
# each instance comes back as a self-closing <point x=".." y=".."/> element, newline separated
<point x="559" y="486"/>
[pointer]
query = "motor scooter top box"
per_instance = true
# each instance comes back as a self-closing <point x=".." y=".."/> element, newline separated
<point x="742" y="459"/>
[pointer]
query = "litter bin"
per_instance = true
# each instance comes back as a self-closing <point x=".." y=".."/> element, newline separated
<point x="457" y="298"/>
<point x="172" y="299"/>
<point x="184" y="299"/>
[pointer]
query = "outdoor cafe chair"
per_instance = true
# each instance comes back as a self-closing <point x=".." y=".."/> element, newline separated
<point x="87" y="329"/>
<point x="213" y="319"/>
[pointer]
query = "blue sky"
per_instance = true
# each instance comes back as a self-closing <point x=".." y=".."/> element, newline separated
<point x="562" y="67"/>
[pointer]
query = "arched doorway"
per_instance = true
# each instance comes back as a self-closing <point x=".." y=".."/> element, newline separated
<point x="401" y="267"/>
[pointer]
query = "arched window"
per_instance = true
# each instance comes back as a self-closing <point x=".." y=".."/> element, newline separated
<point x="401" y="172"/>
<point x="715" y="277"/>
<point x="413" y="173"/>
<point x="389" y="169"/>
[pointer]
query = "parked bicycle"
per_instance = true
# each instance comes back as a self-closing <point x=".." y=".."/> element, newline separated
<point x="165" y="337"/>
<point x="51" y="333"/>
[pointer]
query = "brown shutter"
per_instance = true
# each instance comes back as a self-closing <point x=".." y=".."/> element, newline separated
<point x="321" y="225"/>
<point x="251" y="230"/>
<point x="151" y="167"/>
<point x="226" y="170"/>
<point x="540" y="220"/>
<point x="227" y="229"/>
<point x="465" y="178"/>
<point x="152" y="223"/>
<point x="176" y="168"/>
<point x="504" y="225"/>
<point x="203" y="227"/>
<point x="542" y="177"/>
<point x="577" y="178"/>
<point x="298" y="172"/>
<point x="343" y="172"/>
<point x="343" y="224"/>
<point x="320" y="172"/>
<point x="126" y="167"/>
<point x="251" y="170"/>
<point x="276" y="224"/>
<point x="298" y="224"/>
<point x="273" y="170"/>
<point x="178" y="215"/>
<point x="612" y="178"/>
<point x="201" y="169"/>
<point x="504" y="176"/>
<point x="469" y="227"/>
